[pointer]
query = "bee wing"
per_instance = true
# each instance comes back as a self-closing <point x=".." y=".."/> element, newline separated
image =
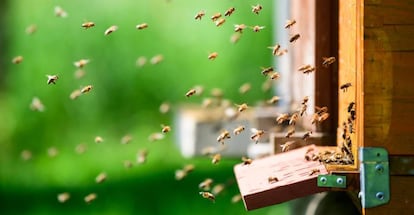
<point x="254" y="130"/>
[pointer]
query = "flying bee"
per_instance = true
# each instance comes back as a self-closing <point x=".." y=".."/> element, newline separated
<point x="257" y="134"/>
<point x="200" y="15"/>
<point x="267" y="71"/>
<point x="315" y="118"/>
<point x="223" y="135"/>
<point x="188" y="168"/>
<point x="294" y="38"/>
<point x="63" y="197"/>
<point x="86" y="89"/>
<point x="75" y="94"/>
<point x="314" y="171"/>
<point x="216" y="92"/>
<point x="323" y="117"/>
<point x="257" y="8"/>
<point x="267" y="85"/>
<point x="37" y="105"/>
<point x="238" y="130"/>
<point x="59" y="12"/>
<point x="282" y="117"/>
<point x="98" y="139"/>
<point x="281" y="52"/>
<point x="257" y="28"/>
<point x="127" y="164"/>
<point x="205" y="185"/>
<point x="236" y="198"/>
<point x="245" y="88"/>
<point x="208" y="195"/>
<point x="285" y="147"/>
<point x="87" y="25"/>
<point x="309" y="70"/>
<point x="81" y="63"/>
<point x="91" y="197"/>
<point x="246" y="161"/>
<point x="79" y="73"/>
<point x="321" y="110"/>
<point x="290" y="132"/>
<point x="272" y="179"/>
<point x="275" y="48"/>
<point x="142" y="156"/>
<point x="344" y="87"/>
<point x="304" y="67"/>
<point x="215" y="17"/>
<point x="212" y="55"/>
<point x="100" y="178"/>
<point x="242" y="107"/>
<point x="239" y="28"/>
<point x="110" y="30"/>
<point x="157" y="59"/>
<point x="328" y="61"/>
<point x="305" y="100"/>
<point x="235" y="38"/>
<point x="229" y="11"/>
<point x="141" y="26"/>
<point x="52" y="151"/>
<point x="141" y="61"/>
<point x="216" y="158"/>
<point x="290" y="23"/>
<point x="217" y="189"/>
<point x="26" y="155"/>
<point x="156" y="136"/>
<point x="165" y="107"/>
<point x="220" y="22"/>
<point x="52" y="79"/>
<point x="303" y="109"/>
<point x="207" y="102"/>
<point x="293" y="118"/>
<point x="31" y="29"/>
<point x="180" y="174"/>
<point x="273" y="100"/>
<point x="275" y="76"/>
<point x="17" y="59"/>
<point x="126" y="139"/>
<point x="165" y="128"/>
<point x="190" y="93"/>
<point x="307" y="135"/>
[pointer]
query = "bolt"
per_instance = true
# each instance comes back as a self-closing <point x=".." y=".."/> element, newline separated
<point x="380" y="195"/>
<point x="323" y="180"/>
<point x="339" y="181"/>
<point x="379" y="168"/>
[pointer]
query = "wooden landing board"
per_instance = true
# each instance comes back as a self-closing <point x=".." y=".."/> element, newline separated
<point x="293" y="172"/>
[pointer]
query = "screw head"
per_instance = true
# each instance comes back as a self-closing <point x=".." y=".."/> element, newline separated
<point x="323" y="180"/>
<point x="339" y="181"/>
<point x="380" y="195"/>
<point x="379" y="168"/>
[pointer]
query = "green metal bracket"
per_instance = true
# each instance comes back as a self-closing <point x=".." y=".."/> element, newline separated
<point x="332" y="181"/>
<point x="374" y="176"/>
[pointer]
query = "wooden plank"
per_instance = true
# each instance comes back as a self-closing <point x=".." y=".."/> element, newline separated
<point x="389" y="38"/>
<point x="389" y="12"/>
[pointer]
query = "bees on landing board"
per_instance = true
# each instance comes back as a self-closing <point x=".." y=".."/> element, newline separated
<point x="191" y="92"/>
<point x="273" y="100"/>
<point x="314" y="171"/>
<point x="165" y="128"/>
<point x="290" y="23"/>
<point x="142" y="156"/>
<point x="344" y="87"/>
<point x="98" y="139"/>
<point x="266" y="71"/>
<point x="246" y="161"/>
<point x="63" y="197"/>
<point x="141" y="26"/>
<point x="306" y="69"/>
<point x="285" y="147"/>
<point x="17" y="59"/>
<point x="52" y="79"/>
<point x="239" y="28"/>
<point x="294" y="38"/>
<point x="242" y="107"/>
<point x="157" y="59"/>
<point x="81" y="63"/>
<point x="272" y="179"/>
<point x="215" y="17"/>
<point x="275" y="76"/>
<point x="238" y="130"/>
<point x="110" y="30"/>
<point x="165" y="107"/>
<point x="208" y="195"/>
<point x="257" y="8"/>
<point x="328" y="61"/>
<point x="126" y="139"/>
<point x="206" y="184"/>
<point x="258" y="28"/>
<point x="101" y="177"/>
<point x="212" y="55"/>
<point x="90" y="197"/>
<point x="31" y="29"/>
<point x="294" y="118"/>
<point x="200" y="15"/>
<point x="86" y="89"/>
<point x="37" y="105"/>
<point x="59" y="12"/>
<point x="216" y="158"/>
<point x="307" y="135"/>
<point x="223" y="136"/>
<point x="229" y="11"/>
<point x="257" y="134"/>
<point x="220" y="22"/>
<point x="75" y="94"/>
<point x="245" y="88"/>
<point x="290" y="132"/>
<point x="87" y="25"/>
<point x="282" y="117"/>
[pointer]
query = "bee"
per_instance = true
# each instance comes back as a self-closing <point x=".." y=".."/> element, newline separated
<point x="275" y="48"/>
<point x="242" y="107"/>
<point x="236" y="198"/>
<point x="75" y="94"/>
<point x="315" y="118"/>
<point x="303" y="109"/>
<point x="63" y="197"/>
<point x="205" y="185"/>
<point x="267" y="85"/>
<point x="307" y="135"/>
<point x="245" y="88"/>
<point x="217" y="189"/>
<point x="188" y="168"/>
<point x="87" y="25"/>
<point x="17" y="59"/>
<point x="156" y="136"/>
<point x="126" y="139"/>
<point x="110" y="30"/>
<point x="200" y="15"/>
<point x="26" y="155"/>
<point x="235" y="38"/>
<point x="257" y="28"/>
<point x="31" y="29"/>
<point x="52" y="152"/>
<point x="282" y="117"/>
<point x="290" y="23"/>
<point x="314" y="171"/>
<point x="257" y="8"/>
<point x="208" y="195"/>
<point x="79" y="73"/>
<point x="294" y="38"/>
<point x="37" y="105"/>
<point x="275" y="76"/>
<point x="165" y="128"/>
<point x="142" y="156"/>
<point x="321" y="110"/>
<point x="81" y="63"/>
<point x="351" y="107"/>
<point x="229" y="11"/>
<point x="216" y="158"/>
<point x="100" y="178"/>
<point x="80" y="148"/>
<point x="305" y="100"/>
<point x="223" y="135"/>
<point x="238" y="130"/>
<point x="91" y="197"/>
<point x="127" y="164"/>
<point x="180" y="174"/>
<point x="273" y="100"/>
<point x="272" y="179"/>
<point x="293" y="119"/>
<point x="141" y="26"/>
<point x="328" y="61"/>
<point x="212" y="55"/>
<point x="246" y="161"/>
<point x="290" y="132"/>
<point x="59" y="12"/>
<point x="267" y="71"/>
<point x="165" y="107"/>
<point x="52" y="79"/>
<point x="207" y="102"/>
<point x="190" y="93"/>
<point x="281" y="52"/>
<point x="157" y="59"/>
<point x="86" y="89"/>
<point x="323" y="117"/>
<point x="285" y="147"/>
<point x="257" y="134"/>
<point x="344" y="87"/>
<point x="304" y="67"/>
<point x="220" y="22"/>
<point x="215" y="17"/>
<point x="239" y="28"/>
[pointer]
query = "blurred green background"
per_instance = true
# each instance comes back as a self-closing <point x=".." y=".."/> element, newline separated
<point x="125" y="100"/>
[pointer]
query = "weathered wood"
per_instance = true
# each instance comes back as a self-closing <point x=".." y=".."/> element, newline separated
<point x="388" y="12"/>
<point x="389" y="38"/>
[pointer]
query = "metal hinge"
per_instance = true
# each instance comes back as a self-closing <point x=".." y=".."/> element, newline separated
<point x="374" y="177"/>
